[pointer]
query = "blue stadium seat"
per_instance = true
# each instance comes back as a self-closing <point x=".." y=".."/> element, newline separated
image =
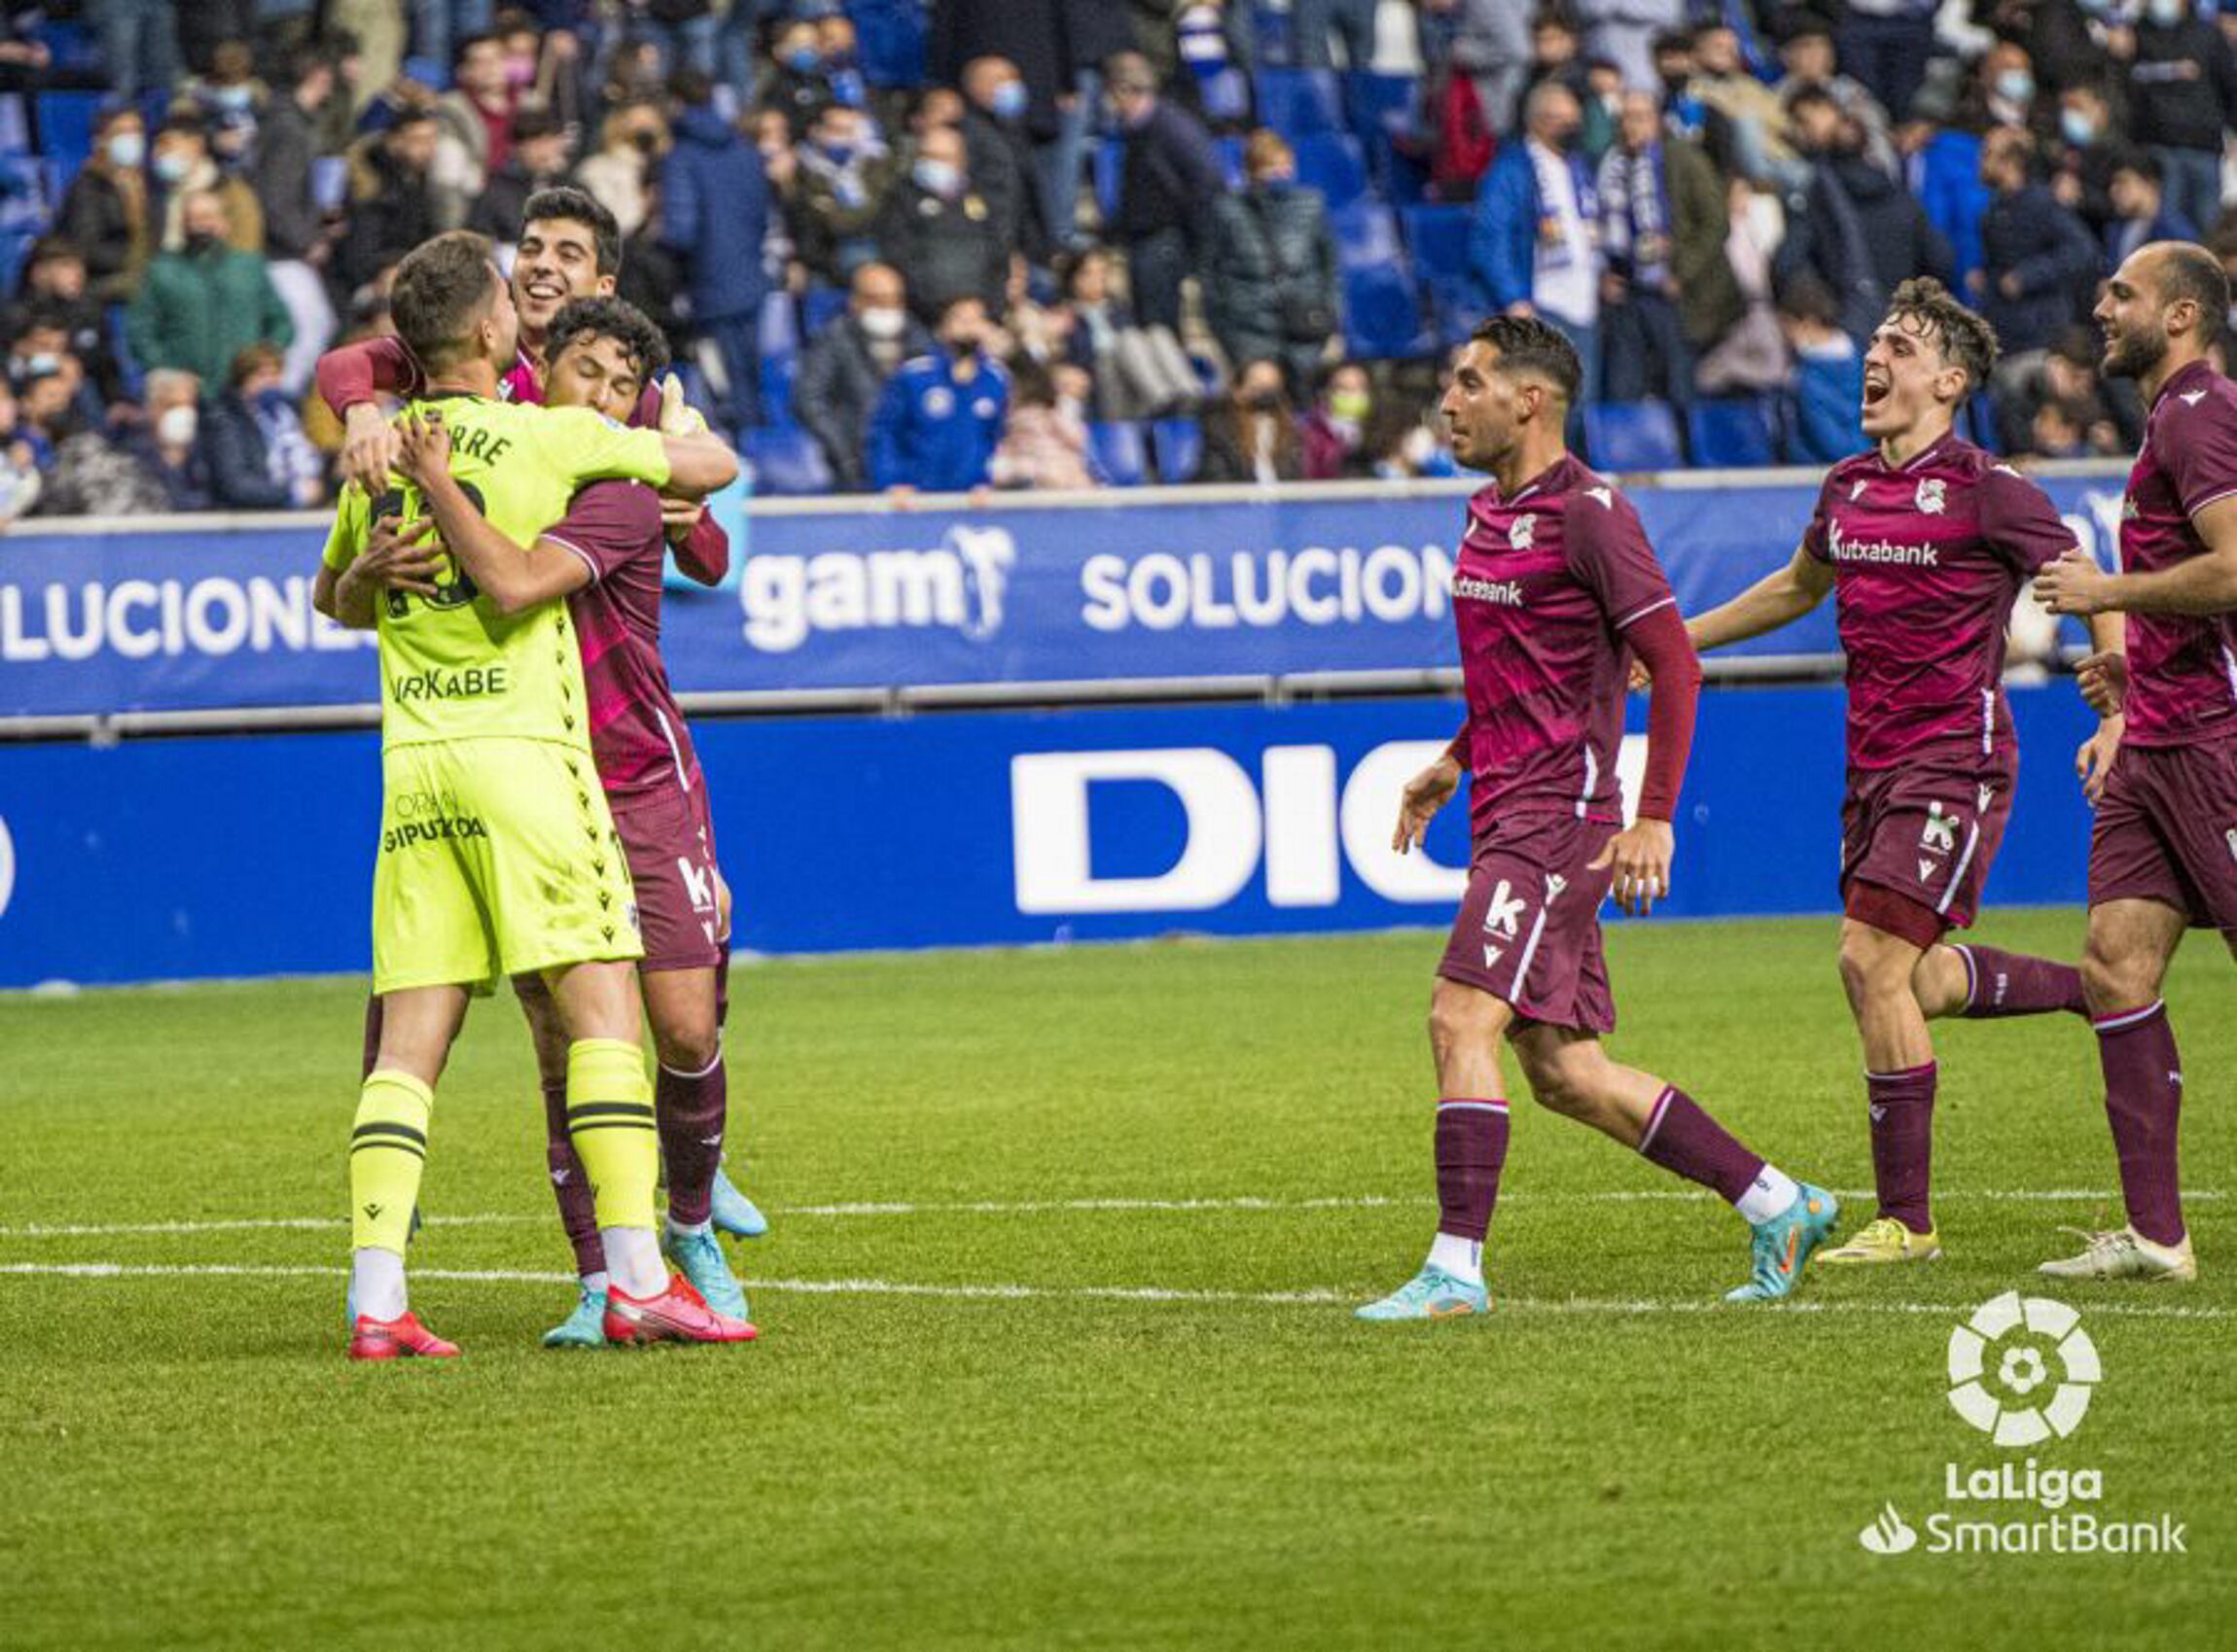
<point x="1232" y="160"/>
<point x="780" y="324"/>
<point x="65" y="129"/>
<point x="891" y="38"/>
<point x="1438" y="239"/>
<point x="787" y="461"/>
<point x="1118" y="452"/>
<point x="1270" y="36"/>
<point x="1106" y="164"/>
<point x="1367" y="233"/>
<point x="777" y="375"/>
<point x="820" y="307"/>
<point x="1732" y="432"/>
<point x="1298" y="102"/>
<point x="1331" y="163"/>
<point x="1375" y="102"/>
<point x="1382" y="315"/>
<point x="1178" y="444"/>
<point x="1632" y="436"/>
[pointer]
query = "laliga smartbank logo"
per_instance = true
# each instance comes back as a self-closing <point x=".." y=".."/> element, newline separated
<point x="2022" y="1371"/>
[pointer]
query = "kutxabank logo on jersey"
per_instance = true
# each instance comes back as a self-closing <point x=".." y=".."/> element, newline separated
<point x="2022" y="1371"/>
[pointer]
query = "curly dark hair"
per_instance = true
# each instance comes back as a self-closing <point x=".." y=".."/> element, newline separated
<point x="1526" y="344"/>
<point x="1963" y="338"/>
<point x="610" y="318"/>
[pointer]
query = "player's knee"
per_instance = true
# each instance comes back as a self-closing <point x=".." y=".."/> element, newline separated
<point x="690" y="1045"/>
<point x="1869" y="967"/>
<point x="2113" y="982"/>
<point x="1461" y="1018"/>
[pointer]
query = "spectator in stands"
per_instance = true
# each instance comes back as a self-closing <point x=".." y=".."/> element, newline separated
<point x="1829" y="374"/>
<point x="1318" y="26"/>
<point x="1756" y="122"/>
<point x="1487" y="41"/>
<point x="1557" y="52"/>
<point x="2086" y="153"/>
<point x="1212" y="42"/>
<point x="1621" y="32"/>
<point x="999" y="155"/>
<point x="1662" y="224"/>
<point x="296" y="239"/>
<point x="2004" y="86"/>
<point x="1252" y="435"/>
<point x="206" y="303"/>
<point x="2181" y="99"/>
<point x="1169" y="176"/>
<point x="1807" y="54"/>
<point x="2039" y="265"/>
<point x="184" y="165"/>
<point x="1271" y="286"/>
<point x="537" y="162"/>
<point x="1856" y="227"/>
<point x="20" y="477"/>
<point x="105" y="212"/>
<point x="2067" y="389"/>
<point x="139" y="44"/>
<point x="167" y="440"/>
<point x="1333" y="441"/>
<point x="941" y="230"/>
<point x="1043" y="444"/>
<point x="87" y="474"/>
<point x="1137" y="372"/>
<point x="797" y="82"/>
<point x="846" y="367"/>
<point x="1534" y="248"/>
<point x="2141" y="210"/>
<point x="714" y="206"/>
<point x="391" y="206"/>
<point x="845" y="176"/>
<point x="632" y="139"/>
<point x="1093" y="33"/>
<point x="259" y="458"/>
<point x="1887" y="44"/>
<point x="53" y="293"/>
<point x="475" y="122"/>
<point x="941" y="415"/>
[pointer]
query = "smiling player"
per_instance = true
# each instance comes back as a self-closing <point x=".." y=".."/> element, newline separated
<point x="1556" y="587"/>
<point x="1926" y="541"/>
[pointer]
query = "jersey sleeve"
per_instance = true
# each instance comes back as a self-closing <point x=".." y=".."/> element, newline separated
<point x="589" y="447"/>
<point x="2197" y="447"/>
<point x="2018" y="521"/>
<point x="1814" y="536"/>
<point x="608" y="524"/>
<point x="347" y="536"/>
<point x="351" y="374"/>
<point x="1609" y="554"/>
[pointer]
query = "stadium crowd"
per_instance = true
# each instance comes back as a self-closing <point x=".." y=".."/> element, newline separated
<point x="1062" y="243"/>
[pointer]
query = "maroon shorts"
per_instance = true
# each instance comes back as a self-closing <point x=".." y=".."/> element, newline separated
<point x="1529" y="927"/>
<point x="2167" y="832"/>
<point x="669" y="839"/>
<point x="1925" y="831"/>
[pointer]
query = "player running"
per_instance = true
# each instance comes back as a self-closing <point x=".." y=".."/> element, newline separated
<point x="498" y="854"/>
<point x="1555" y="586"/>
<point x="1926" y="541"/>
<point x="570" y="248"/>
<point x="2163" y="855"/>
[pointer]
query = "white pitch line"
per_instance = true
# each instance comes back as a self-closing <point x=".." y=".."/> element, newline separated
<point x="1310" y="1298"/>
<point x="1051" y="1206"/>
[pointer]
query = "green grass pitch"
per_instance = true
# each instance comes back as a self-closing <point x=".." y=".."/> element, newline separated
<point x="1056" y="1347"/>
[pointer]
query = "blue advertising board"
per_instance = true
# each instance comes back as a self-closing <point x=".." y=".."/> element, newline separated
<point x="1149" y="585"/>
<point x="252" y="854"/>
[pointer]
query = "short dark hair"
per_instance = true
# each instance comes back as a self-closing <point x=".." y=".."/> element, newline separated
<point x="483" y="37"/>
<point x="2188" y="271"/>
<point x="578" y="206"/>
<point x="443" y="288"/>
<point x="1671" y="41"/>
<point x="1806" y="297"/>
<point x="2140" y="162"/>
<point x="1527" y="345"/>
<point x="1964" y="339"/>
<point x="629" y="327"/>
<point x="529" y="124"/>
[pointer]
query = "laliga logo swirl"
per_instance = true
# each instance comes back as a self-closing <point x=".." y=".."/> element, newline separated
<point x="2002" y="1369"/>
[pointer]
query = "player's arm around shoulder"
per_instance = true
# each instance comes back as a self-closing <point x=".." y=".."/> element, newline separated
<point x="510" y="575"/>
<point x="590" y="447"/>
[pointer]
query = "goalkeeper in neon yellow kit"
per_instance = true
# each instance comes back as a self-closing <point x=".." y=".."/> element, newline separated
<point x="497" y="856"/>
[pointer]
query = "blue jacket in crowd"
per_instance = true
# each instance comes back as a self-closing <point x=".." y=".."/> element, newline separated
<point x="2027" y="233"/>
<point x="934" y="432"/>
<point x="715" y="211"/>
<point x="1503" y="240"/>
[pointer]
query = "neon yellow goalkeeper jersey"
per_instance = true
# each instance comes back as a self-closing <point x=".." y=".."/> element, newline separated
<point x="451" y="666"/>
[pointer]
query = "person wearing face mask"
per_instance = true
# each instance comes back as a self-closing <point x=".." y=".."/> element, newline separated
<point x="631" y="142"/>
<point x="1252" y="435"/>
<point x="105" y="212"/>
<point x="1534" y="248"/>
<point x="845" y="369"/>
<point x="2182" y="101"/>
<point x="797" y="83"/>
<point x="1000" y="156"/>
<point x="1271" y="288"/>
<point x="1168" y="178"/>
<point x="941" y="415"/>
<point x="844" y="177"/>
<point x="206" y="303"/>
<point x="1334" y="438"/>
<point x="940" y="230"/>
<point x="167" y="445"/>
<point x="715" y="217"/>
<point x="2086" y="154"/>
<point x="184" y="164"/>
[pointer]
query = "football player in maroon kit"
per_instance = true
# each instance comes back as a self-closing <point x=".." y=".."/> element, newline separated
<point x="1924" y="540"/>
<point x="2163" y="855"/>
<point x="1555" y="588"/>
